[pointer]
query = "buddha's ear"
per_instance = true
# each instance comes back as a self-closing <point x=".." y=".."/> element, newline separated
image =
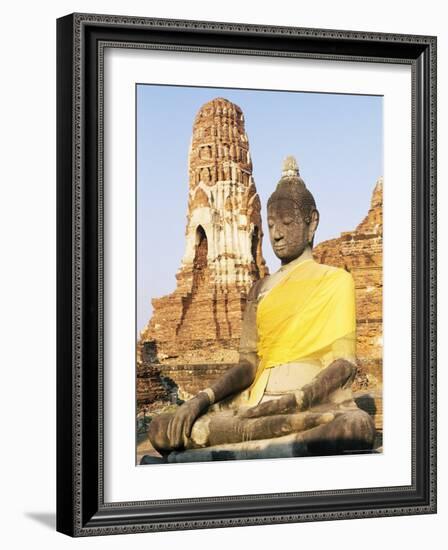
<point x="314" y="222"/>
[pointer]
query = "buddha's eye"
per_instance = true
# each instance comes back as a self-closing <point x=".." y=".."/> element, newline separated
<point x="287" y="221"/>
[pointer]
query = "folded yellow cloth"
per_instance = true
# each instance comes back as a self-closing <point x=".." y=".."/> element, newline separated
<point x="302" y="316"/>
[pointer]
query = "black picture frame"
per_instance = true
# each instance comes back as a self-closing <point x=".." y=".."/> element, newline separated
<point x="81" y="510"/>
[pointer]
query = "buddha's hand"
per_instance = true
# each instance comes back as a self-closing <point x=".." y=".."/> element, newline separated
<point x="288" y="403"/>
<point x="179" y="427"/>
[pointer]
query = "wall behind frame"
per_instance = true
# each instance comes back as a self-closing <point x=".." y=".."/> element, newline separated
<point x="27" y="286"/>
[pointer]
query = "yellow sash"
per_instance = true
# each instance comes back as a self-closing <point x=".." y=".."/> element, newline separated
<point x="301" y="317"/>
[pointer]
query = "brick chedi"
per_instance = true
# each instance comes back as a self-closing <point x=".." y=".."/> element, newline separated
<point x="360" y="253"/>
<point x="200" y="322"/>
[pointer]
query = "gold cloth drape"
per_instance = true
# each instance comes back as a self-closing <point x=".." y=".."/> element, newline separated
<point x="302" y="317"/>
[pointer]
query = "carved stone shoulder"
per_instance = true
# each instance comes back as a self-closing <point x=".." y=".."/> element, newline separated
<point x="255" y="290"/>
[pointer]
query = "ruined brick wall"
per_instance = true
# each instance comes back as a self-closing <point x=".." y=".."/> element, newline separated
<point x="152" y="391"/>
<point x="361" y="253"/>
<point x="191" y="379"/>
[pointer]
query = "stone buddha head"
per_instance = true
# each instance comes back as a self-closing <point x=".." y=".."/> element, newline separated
<point x="292" y="214"/>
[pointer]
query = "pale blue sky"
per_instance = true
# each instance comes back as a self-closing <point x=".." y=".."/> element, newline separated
<point x="336" y="139"/>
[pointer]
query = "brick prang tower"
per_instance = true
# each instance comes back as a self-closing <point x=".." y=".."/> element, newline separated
<point x="200" y="322"/>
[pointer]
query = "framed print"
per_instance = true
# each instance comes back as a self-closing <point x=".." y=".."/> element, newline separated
<point x="246" y="274"/>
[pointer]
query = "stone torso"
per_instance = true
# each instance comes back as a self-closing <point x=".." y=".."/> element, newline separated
<point x="293" y="375"/>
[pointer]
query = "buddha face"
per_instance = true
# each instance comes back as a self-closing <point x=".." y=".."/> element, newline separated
<point x="289" y="233"/>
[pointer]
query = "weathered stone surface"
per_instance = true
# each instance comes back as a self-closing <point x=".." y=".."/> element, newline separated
<point x="371" y="402"/>
<point x="191" y="379"/>
<point x="200" y="322"/>
<point x="361" y="253"/>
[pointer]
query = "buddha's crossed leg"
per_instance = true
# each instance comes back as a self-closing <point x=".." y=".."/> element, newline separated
<point x="318" y="425"/>
<point x="225" y="437"/>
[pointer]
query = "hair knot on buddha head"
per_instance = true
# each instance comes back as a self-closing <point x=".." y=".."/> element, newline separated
<point x="292" y="187"/>
<point x="292" y="214"/>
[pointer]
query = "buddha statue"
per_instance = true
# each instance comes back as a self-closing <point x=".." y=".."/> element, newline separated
<point x="290" y="393"/>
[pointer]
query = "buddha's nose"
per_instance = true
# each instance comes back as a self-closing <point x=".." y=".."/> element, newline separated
<point x="277" y="236"/>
